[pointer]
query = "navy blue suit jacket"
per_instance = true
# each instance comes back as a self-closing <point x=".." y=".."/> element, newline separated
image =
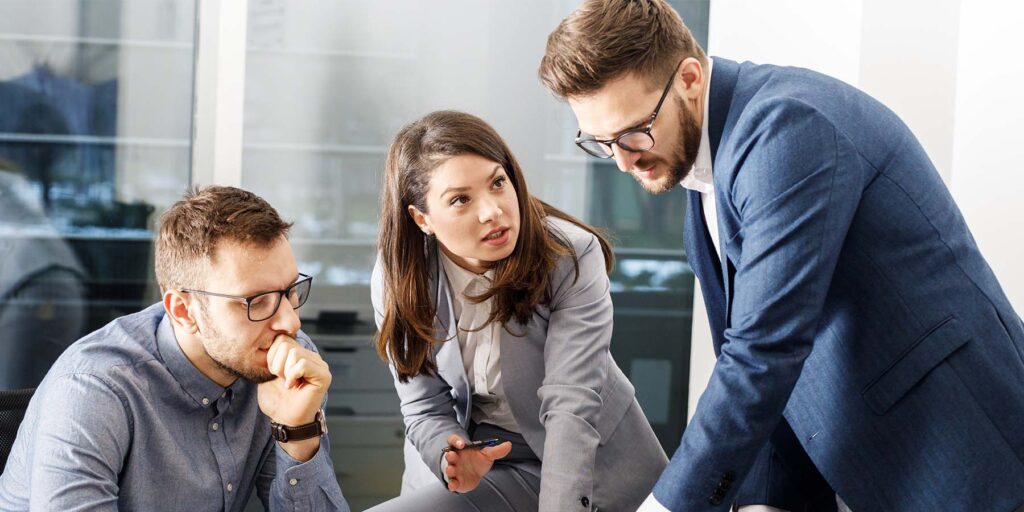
<point x="849" y="304"/>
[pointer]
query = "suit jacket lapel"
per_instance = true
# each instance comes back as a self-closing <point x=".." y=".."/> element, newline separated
<point x="699" y="246"/>
<point x="723" y="85"/>
<point x="448" y="355"/>
<point x="699" y="251"/>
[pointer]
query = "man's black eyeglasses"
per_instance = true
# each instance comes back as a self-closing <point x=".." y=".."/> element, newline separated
<point x="635" y="140"/>
<point x="264" y="305"/>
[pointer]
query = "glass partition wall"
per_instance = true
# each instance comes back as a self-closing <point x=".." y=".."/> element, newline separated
<point x="95" y="140"/>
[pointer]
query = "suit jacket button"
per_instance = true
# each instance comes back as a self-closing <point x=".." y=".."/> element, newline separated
<point x="715" y="499"/>
<point x="585" y="501"/>
<point x="729" y="476"/>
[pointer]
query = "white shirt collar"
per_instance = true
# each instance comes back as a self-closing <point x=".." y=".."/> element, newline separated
<point x="699" y="178"/>
<point x="460" y="278"/>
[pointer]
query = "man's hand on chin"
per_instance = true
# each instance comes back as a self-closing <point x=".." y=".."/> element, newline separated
<point x="294" y="397"/>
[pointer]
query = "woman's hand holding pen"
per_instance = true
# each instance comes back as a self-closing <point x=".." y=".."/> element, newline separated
<point x="467" y="467"/>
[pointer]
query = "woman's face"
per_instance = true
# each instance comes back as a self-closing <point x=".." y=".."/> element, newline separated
<point x="473" y="211"/>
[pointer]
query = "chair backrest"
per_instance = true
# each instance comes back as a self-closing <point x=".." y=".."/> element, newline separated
<point x="12" y="410"/>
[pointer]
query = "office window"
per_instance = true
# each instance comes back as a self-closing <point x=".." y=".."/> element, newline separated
<point x="329" y="83"/>
<point x="95" y="127"/>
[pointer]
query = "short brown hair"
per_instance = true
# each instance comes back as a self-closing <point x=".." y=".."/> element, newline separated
<point x="605" y="39"/>
<point x="191" y="229"/>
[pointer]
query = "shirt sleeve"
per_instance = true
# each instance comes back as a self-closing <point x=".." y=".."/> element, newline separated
<point x="307" y="486"/>
<point x="81" y="439"/>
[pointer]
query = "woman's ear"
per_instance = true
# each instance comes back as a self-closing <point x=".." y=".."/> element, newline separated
<point x="421" y="219"/>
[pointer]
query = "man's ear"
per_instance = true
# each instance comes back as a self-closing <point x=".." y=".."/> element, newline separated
<point x="421" y="220"/>
<point x="176" y="305"/>
<point x="690" y="79"/>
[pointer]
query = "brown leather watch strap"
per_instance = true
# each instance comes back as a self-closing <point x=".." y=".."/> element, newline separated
<point x="283" y="433"/>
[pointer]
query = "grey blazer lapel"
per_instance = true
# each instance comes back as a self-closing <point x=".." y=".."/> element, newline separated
<point x="448" y="355"/>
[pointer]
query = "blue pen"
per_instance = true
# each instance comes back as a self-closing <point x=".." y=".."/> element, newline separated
<point x="483" y="443"/>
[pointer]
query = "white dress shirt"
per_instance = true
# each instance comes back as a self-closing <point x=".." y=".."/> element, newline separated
<point x="481" y="348"/>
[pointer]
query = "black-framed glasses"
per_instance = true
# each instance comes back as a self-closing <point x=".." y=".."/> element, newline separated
<point x="635" y="140"/>
<point x="263" y="305"/>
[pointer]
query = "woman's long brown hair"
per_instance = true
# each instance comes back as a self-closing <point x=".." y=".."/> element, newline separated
<point x="521" y="281"/>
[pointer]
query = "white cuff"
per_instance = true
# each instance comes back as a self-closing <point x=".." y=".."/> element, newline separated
<point x="652" y="505"/>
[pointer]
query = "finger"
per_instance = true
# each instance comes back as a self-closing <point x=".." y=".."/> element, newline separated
<point x="279" y="342"/>
<point x="294" y="369"/>
<point x="450" y="471"/>
<point x="452" y="457"/>
<point x="497" y="452"/>
<point x="295" y="373"/>
<point x="456" y="441"/>
<point x="302" y="365"/>
<point x="453" y="484"/>
<point x="276" y="364"/>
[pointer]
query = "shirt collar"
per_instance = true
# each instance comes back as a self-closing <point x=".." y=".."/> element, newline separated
<point x="699" y="178"/>
<point x="199" y="387"/>
<point x="459" y="278"/>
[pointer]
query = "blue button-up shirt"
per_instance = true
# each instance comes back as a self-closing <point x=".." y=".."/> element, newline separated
<point x="124" y="421"/>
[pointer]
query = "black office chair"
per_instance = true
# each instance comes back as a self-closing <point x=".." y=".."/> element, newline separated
<point x="12" y="410"/>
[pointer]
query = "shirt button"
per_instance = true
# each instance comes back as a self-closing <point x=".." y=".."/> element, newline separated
<point x="293" y="482"/>
<point x="206" y="401"/>
<point x="230" y="487"/>
<point x="215" y="426"/>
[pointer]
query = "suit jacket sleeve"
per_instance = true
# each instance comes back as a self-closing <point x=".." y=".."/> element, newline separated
<point x="795" y="190"/>
<point x="575" y="358"/>
<point x="427" y="405"/>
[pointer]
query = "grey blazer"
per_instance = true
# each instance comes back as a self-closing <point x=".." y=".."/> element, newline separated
<point x="573" y="404"/>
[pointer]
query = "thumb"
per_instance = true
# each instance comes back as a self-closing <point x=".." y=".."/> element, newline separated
<point x="497" y="452"/>
<point x="456" y="441"/>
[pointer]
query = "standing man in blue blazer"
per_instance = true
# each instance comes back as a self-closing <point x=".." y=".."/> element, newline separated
<point x="864" y="347"/>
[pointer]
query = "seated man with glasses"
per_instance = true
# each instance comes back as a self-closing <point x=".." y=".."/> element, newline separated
<point x="194" y="402"/>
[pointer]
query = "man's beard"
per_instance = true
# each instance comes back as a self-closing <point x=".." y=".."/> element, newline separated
<point x="683" y="156"/>
<point x="215" y="339"/>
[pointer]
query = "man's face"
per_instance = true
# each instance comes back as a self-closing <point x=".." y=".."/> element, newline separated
<point x="627" y="103"/>
<point x="235" y="344"/>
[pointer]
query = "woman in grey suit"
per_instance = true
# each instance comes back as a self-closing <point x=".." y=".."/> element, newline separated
<point x="494" y="313"/>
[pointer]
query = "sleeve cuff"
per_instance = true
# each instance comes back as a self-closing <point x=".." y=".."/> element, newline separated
<point x="301" y="478"/>
<point x="651" y="504"/>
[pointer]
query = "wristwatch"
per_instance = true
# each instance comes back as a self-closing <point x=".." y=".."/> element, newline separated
<point x="284" y="433"/>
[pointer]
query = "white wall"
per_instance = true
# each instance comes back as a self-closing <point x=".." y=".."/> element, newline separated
<point x="988" y="142"/>
<point x="951" y="70"/>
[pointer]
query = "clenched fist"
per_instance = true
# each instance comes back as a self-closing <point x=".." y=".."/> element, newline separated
<point x="294" y="397"/>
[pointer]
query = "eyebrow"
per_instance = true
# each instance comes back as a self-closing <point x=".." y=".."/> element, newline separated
<point x="634" y="126"/>
<point x="297" y="276"/>
<point x="463" y="189"/>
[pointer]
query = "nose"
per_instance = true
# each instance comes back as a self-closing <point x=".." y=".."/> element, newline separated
<point x="286" y="318"/>
<point x="624" y="159"/>
<point x="489" y="210"/>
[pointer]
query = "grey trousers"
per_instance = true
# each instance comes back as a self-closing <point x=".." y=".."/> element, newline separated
<point x="512" y="484"/>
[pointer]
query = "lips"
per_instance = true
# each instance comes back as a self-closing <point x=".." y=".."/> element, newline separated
<point x="497" y="237"/>
<point x="645" y="173"/>
<point x="495" y="233"/>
